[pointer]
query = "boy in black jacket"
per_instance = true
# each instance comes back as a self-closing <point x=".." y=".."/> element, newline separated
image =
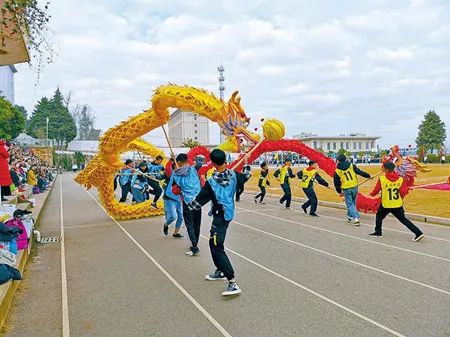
<point x="262" y="183"/>
<point x="220" y="189"/>
<point x="346" y="184"/>
<point x="307" y="177"/>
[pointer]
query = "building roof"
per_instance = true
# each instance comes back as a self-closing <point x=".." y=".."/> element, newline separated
<point x="83" y="145"/>
<point x="341" y="137"/>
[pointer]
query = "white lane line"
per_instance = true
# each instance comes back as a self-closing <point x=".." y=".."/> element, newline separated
<point x="364" y="224"/>
<point x="87" y="226"/>
<point x="343" y="258"/>
<point x="341" y="306"/>
<point x="244" y="210"/>
<point x="352" y="237"/>
<point x="166" y="273"/>
<point x="65" y="301"/>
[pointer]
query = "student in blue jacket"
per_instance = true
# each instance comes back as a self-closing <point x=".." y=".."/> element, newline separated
<point x="220" y="189"/>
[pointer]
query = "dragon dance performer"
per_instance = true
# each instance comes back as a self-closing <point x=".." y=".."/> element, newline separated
<point x="220" y="189"/>
<point x="283" y="175"/>
<point x="155" y="170"/>
<point x="139" y="184"/>
<point x="262" y="183"/>
<point x="307" y="177"/>
<point x="246" y="171"/>
<point x="125" y="179"/>
<point x="173" y="208"/>
<point x="186" y="177"/>
<point x="346" y="184"/>
<point x="393" y="188"/>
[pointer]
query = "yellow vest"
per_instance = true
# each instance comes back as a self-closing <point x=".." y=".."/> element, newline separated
<point x="31" y="178"/>
<point x="306" y="177"/>
<point x="263" y="179"/>
<point x="283" y="172"/>
<point x="390" y="192"/>
<point x="348" y="177"/>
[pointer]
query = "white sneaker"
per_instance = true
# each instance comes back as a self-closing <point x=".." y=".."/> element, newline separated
<point x="232" y="289"/>
<point x="418" y="238"/>
<point x="356" y="222"/>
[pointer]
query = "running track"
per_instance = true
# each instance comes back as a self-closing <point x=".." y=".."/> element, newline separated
<point x="300" y="276"/>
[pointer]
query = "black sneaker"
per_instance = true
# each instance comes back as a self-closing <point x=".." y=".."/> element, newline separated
<point x="232" y="289"/>
<point x="261" y="203"/>
<point x="178" y="235"/>
<point x="314" y="214"/>
<point x="254" y="198"/>
<point x="304" y="209"/>
<point x="376" y="234"/>
<point x="216" y="276"/>
<point x="166" y="230"/>
<point x="154" y="205"/>
<point x="418" y="237"/>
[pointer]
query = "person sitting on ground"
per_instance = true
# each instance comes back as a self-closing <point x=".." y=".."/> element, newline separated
<point x="307" y="177"/>
<point x="262" y="183"/>
<point x="31" y="176"/>
<point x="346" y="184"/>
<point x="283" y="174"/>
<point x="393" y="189"/>
<point x="156" y="172"/>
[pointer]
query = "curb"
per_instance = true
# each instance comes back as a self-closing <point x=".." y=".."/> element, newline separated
<point x="8" y="289"/>
<point x="419" y="217"/>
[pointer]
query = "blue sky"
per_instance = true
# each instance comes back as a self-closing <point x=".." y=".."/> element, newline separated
<point x="325" y="67"/>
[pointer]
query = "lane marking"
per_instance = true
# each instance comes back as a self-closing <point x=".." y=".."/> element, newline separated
<point x="352" y="237"/>
<point x="205" y="313"/>
<point x="364" y="224"/>
<point x="341" y="306"/>
<point x="343" y="258"/>
<point x="65" y="301"/>
<point x="87" y="226"/>
<point x="343" y="210"/>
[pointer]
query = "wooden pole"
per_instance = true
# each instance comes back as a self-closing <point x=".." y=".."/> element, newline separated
<point x="170" y="145"/>
<point x="248" y="154"/>
<point x="365" y="181"/>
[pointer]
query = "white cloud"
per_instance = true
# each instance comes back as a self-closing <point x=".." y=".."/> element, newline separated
<point x="327" y="65"/>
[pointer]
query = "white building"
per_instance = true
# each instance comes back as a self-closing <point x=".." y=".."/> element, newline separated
<point x="7" y="82"/>
<point x="354" y="142"/>
<point x="184" y="125"/>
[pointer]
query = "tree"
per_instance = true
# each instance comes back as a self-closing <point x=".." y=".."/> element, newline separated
<point x="22" y="110"/>
<point x="432" y="133"/>
<point x="190" y="143"/>
<point x="85" y="123"/>
<point x="12" y="121"/>
<point x="61" y="126"/>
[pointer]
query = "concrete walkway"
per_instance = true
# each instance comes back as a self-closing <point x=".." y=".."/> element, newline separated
<point x="300" y="276"/>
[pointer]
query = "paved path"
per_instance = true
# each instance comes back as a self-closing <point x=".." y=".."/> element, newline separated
<point x="300" y="276"/>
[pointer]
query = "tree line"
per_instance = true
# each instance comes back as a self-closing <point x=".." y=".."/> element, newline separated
<point x="64" y="124"/>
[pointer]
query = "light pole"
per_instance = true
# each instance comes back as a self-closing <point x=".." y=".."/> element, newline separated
<point x="47" y="140"/>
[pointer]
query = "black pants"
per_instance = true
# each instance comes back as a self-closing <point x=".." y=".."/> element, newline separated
<point x="399" y="213"/>
<point x="157" y="190"/>
<point x="312" y="200"/>
<point x="193" y="221"/>
<point x="239" y="191"/>
<point x="6" y="191"/>
<point x="287" y="195"/>
<point x="125" y="190"/>
<point x="262" y="194"/>
<point x="216" y="244"/>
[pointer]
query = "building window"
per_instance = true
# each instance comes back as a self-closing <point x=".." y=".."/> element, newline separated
<point x="328" y="146"/>
<point x="342" y="145"/>
<point x="354" y="146"/>
<point x="315" y="144"/>
<point x="360" y="145"/>
<point x="347" y="145"/>
<point x="195" y="131"/>
<point x="195" y="125"/>
<point x="372" y="144"/>
<point x="334" y="145"/>
<point x="195" y="138"/>
<point x="367" y="145"/>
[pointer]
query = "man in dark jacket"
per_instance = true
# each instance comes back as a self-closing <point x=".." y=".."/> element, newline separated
<point x="307" y="177"/>
<point x="220" y="189"/>
<point x="283" y="174"/>
<point x="346" y="184"/>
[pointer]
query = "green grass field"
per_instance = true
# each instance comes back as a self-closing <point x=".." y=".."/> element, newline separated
<point x="420" y="201"/>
